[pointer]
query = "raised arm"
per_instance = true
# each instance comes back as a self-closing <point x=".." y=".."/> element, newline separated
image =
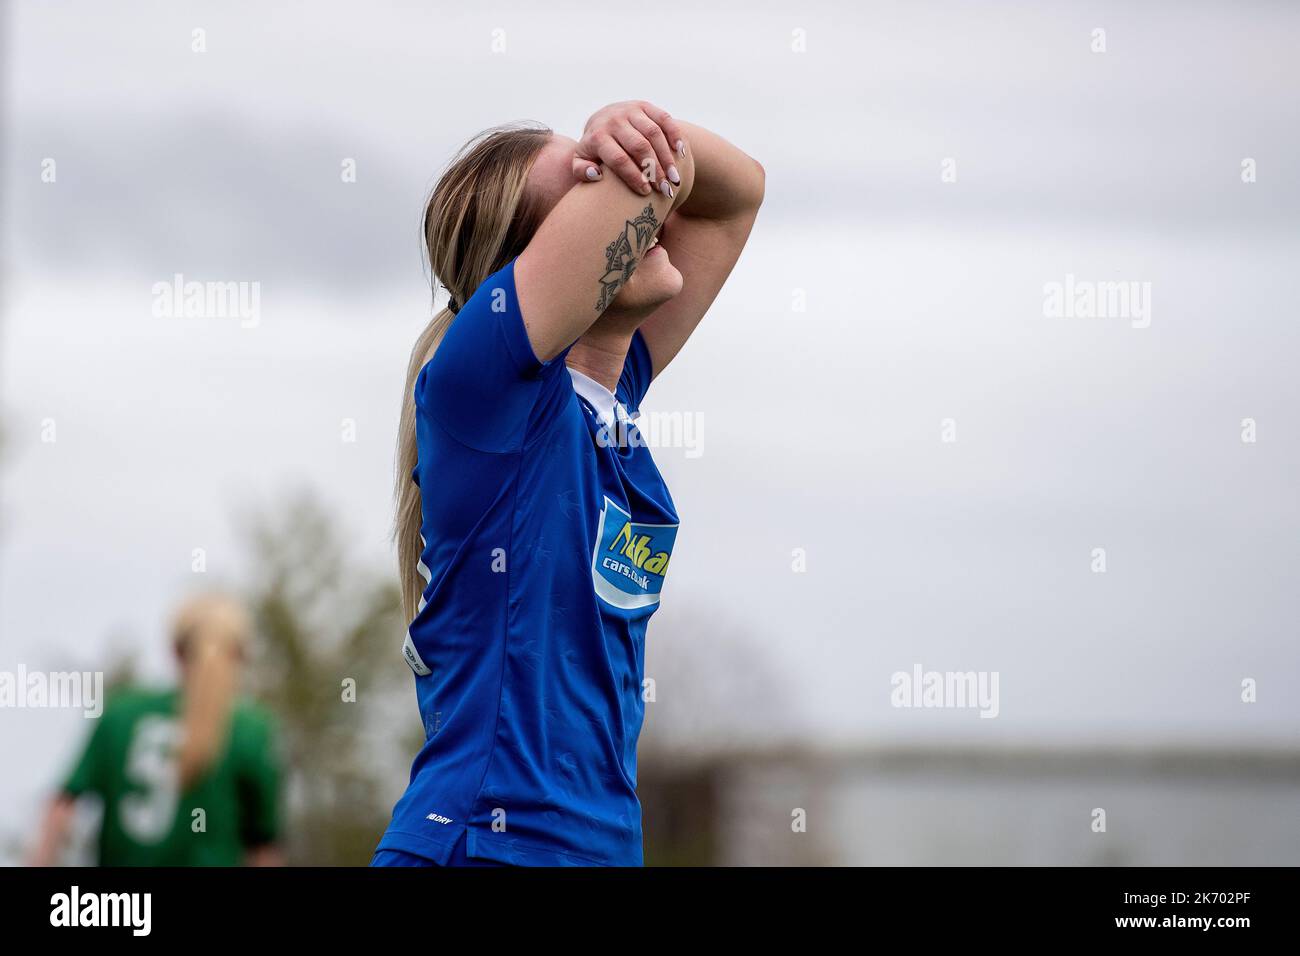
<point x="590" y="244"/>
<point x="54" y="831"/>
<point x="212" y="631"/>
<point x="704" y="236"/>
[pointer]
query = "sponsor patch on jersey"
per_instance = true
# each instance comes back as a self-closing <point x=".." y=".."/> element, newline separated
<point x="631" y="558"/>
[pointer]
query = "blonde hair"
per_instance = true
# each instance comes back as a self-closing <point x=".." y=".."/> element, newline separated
<point x="476" y="220"/>
<point x="214" y="613"/>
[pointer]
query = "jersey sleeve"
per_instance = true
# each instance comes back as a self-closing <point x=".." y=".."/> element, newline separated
<point x="484" y="381"/>
<point x="637" y="373"/>
<point x="259" y="785"/>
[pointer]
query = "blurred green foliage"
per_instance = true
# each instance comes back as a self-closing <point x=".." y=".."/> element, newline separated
<point x="325" y="626"/>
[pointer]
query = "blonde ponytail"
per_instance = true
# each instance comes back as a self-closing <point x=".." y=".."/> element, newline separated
<point x="406" y="526"/>
<point x="477" y="219"/>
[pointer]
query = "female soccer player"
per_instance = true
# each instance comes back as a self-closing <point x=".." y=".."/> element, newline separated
<point x="533" y="527"/>
<point x="157" y="756"/>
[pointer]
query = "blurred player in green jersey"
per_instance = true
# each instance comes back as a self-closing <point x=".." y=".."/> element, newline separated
<point x="187" y="777"/>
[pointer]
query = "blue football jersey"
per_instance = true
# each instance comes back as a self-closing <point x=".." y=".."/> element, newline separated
<point x="548" y="533"/>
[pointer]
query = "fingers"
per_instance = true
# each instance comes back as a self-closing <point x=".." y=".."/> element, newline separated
<point x="614" y="154"/>
<point x="654" y="136"/>
<point x="638" y="141"/>
<point x="672" y="132"/>
<point x="585" y="170"/>
<point x="653" y="172"/>
<point x="641" y="152"/>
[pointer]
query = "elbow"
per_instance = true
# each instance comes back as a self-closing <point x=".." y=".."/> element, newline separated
<point x="757" y="184"/>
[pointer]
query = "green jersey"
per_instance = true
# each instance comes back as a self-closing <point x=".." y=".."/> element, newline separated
<point x="130" y="763"/>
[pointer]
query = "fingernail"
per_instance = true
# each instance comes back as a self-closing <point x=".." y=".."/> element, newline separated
<point x="681" y="148"/>
<point x="665" y="188"/>
<point x="593" y="172"/>
<point x="672" y="174"/>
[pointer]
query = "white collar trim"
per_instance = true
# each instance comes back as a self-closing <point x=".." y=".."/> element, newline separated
<point x="607" y="407"/>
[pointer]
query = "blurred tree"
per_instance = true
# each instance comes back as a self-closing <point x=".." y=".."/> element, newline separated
<point x="328" y="664"/>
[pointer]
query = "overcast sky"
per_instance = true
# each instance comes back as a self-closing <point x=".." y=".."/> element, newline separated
<point x="922" y="301"/>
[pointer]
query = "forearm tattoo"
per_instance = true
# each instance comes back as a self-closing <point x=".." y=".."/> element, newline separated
<point x="623" y="254"/>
